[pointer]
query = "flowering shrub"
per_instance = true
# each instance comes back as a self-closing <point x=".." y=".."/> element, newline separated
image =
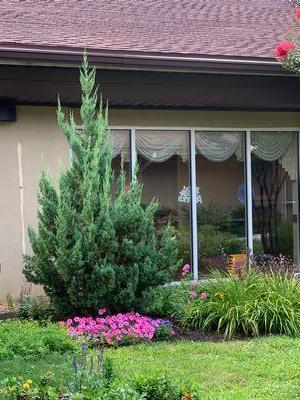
<point x="287" y="51"/>
<point x="115" y="329"/>
<point x="283" y="49"/>
<point x="26" y="389"/>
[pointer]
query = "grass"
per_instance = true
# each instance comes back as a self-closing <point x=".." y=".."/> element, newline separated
<point x="263" y="368"/>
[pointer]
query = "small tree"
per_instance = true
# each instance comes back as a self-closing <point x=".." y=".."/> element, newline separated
<point x="91" y="249"/>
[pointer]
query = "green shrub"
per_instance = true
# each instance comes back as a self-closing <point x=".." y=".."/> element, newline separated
<point x="255" y="305"/>
<point x="28" y="339"/>
<point x="162" y="301"/>
<point x="92" y="249"/>
<point x="162" y="388"/>
<point x="184" y="245"/>
<point x="124" y="392"/>
<point x="285" y="238"/>
<point x="36" y="308"/>
<point x="212" y="241"/>
<point x="164" y="332"/>
<point x="216" y="215"/>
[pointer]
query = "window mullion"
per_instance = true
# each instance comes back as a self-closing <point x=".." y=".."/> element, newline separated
<point x="193" y="197"/>
<point x="133" y="158"/>
<point x="249" y="205"/>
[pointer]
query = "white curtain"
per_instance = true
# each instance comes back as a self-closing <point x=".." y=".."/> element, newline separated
<point x="120" y="140"/>
<point x="219" y="146"/>
<point x="271" y="146"/>
<point x="159" y="146"/>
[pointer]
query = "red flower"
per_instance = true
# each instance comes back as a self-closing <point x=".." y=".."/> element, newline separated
<point x="297" y="14"/>
<point x="283" y="48"/>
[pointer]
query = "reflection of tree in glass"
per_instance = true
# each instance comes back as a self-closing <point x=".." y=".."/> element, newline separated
<point x="269" y="178"/>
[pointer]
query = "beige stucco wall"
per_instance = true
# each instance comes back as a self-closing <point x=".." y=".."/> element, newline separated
<point x="33" y="141"/>
<point x="27" y="145"/>
<point x="218" y="119"/>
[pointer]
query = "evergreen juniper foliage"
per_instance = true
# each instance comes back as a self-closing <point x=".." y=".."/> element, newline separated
<point x="90" y="249"/>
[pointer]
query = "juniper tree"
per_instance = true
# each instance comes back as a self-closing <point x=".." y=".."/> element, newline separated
<point x="90" y="249"/>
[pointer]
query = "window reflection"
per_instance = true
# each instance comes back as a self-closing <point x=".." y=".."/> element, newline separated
<point x="274" y="182"/>
<point x="163" y="158"/>
<point x="221" y="206"/>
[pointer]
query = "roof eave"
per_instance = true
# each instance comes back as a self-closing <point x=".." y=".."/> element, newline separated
<point x="58" y="56"/>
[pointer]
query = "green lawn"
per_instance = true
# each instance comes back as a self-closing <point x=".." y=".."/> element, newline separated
<point x="266" y="368"/>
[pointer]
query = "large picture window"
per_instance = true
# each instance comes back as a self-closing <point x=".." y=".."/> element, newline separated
<point x="224" y="191"/>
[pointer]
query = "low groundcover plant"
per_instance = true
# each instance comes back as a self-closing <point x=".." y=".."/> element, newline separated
<point x="115" y="329"/>
<point x="29" y="339"/>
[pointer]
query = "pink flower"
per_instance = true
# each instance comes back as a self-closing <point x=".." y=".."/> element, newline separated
<point x="186" y="270"/>
<point x="110" y="329"/>
<point x="102" y="311"/>
<point x="283" y="49"/>
<point x="193" y="295"/>
<point x="203" y="295"/>
<point x="297" y="14"/>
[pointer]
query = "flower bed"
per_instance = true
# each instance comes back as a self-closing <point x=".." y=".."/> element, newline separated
<point x="116" y="329"/>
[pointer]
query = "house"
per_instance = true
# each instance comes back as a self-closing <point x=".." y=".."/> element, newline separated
<point x="195" y="96"/>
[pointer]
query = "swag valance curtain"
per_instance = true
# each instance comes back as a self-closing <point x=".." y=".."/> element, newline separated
<point x="268" y="146"/>
<point x="159" y="146"/>
<point x="218" y="146"/>
<point x="271" y="146"/>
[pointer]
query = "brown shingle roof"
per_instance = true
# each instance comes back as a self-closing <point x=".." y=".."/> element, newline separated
<point x="242" y="28"/>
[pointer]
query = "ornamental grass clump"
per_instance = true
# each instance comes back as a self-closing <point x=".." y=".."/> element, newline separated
<point x="257" y="304"/>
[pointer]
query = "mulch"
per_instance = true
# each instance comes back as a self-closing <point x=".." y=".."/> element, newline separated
<point x="196" y="336"/>
<point x="6" y="313"/>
